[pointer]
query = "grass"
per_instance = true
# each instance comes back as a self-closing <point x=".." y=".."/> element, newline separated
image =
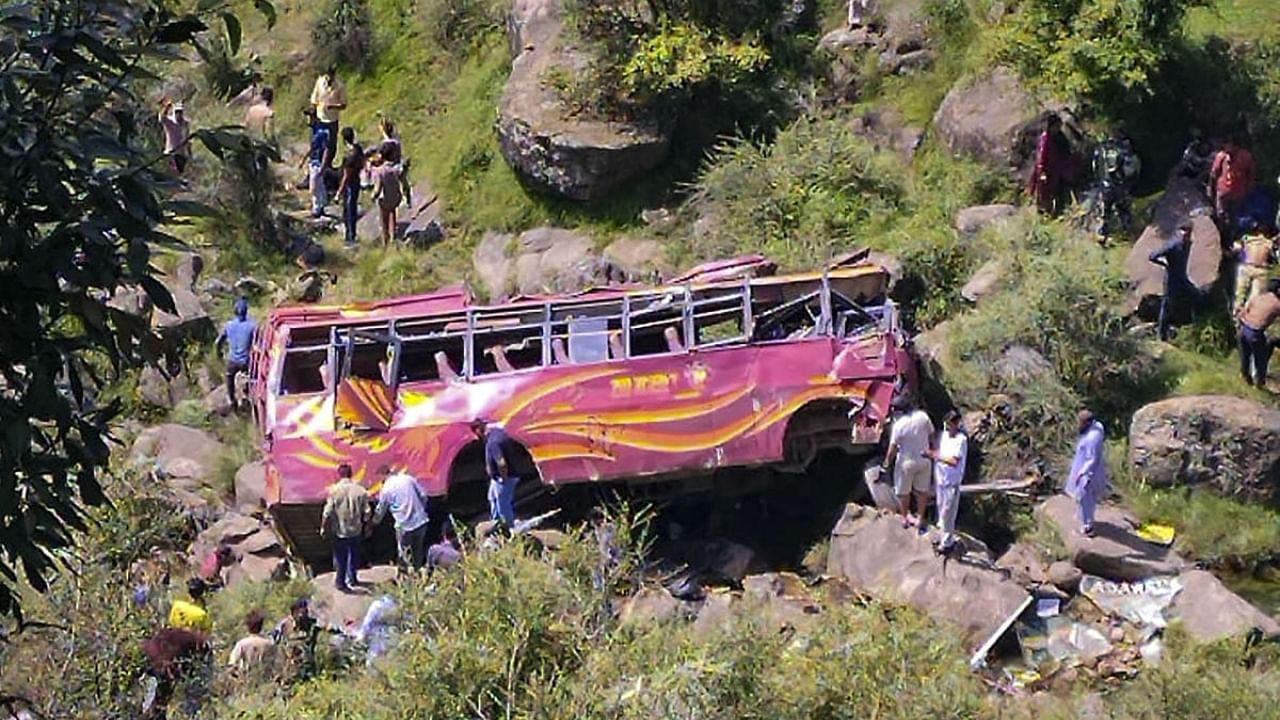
<point x="1235" y="19"/>
<point x="1218" y="531"/>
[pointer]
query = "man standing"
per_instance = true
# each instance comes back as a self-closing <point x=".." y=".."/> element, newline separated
<point x="859" y="12"/>
<point x="1253" y="256"/>
<point x="260" y="118"/>
<point x="329" y="98"/>
<point x="349" y="185"/>
<point x="1053" y="156"/>
<point x="908" y="454"/>
<point x="238" y="333"/>
<point x="346" y="511"/>
<point x="948" y="473"/>
<point x="1255" y="349"/>
<point x="1087" y="482"/>
<point x="403" y="496"/>
<point x="173" y="120"/>
<point x="1230" y="179"/>
<point x="253" y="650"/>
<point x="497" y="463"/>
<point x="318" y="160"/>
<point x="192" y="615"/>
<point x="1178" y="290"/>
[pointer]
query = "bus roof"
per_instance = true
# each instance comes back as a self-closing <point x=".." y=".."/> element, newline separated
<point x="457" y="298"/>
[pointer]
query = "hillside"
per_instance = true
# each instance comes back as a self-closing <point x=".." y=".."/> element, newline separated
<point x="561" y="144"/>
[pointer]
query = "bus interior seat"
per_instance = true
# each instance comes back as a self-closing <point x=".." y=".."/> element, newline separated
<point x="616" y="348"/>
<point x="673" y="339"/>
<point x="445" y="368"/>
<point x="561" y="354"/>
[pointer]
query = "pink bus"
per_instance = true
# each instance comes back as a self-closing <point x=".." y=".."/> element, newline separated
<point x="636" y="385"/>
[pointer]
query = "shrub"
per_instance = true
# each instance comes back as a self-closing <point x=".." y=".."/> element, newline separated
<point x="341" y="36"/>
<point x="1098" y="49"/>
<point x="455" y="25"/>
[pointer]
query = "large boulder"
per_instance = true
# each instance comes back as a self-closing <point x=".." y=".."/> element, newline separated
<point x="992" y="118"/>
<point x="1113" y="552"/>
<point x="251" y="486"/>
<point x="888" y="131"/>
<point x="986" y="281"/>
<point x="256" y="551"/>
<point x="541" y="260"/>
<point x="880" y="557"/>
<point x="339" y="611"/>
<point x="158" y="390"/>
<point x="569" y="155"/>
<point x="1227" y="443"/>
<point x="933" y="350"/>
<point x="190" y="322"/>
<point x="1210" y="612"/>
<point x="636" y="259"/>
<point x="185" y="458"/>
<point x="1183" y="200"/>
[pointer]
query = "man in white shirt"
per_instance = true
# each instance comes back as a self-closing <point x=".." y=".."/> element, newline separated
<point x="912" y="471"/>
<point x="949" y="459"/>
<point x="403" y="496"/>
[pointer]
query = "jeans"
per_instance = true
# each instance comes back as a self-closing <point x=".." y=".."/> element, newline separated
<point x="502" y="500"/>
<point x="1255" y="355"/>
<point x="333" y="139"/>
<point x="1174" y="305"/>
<point x="234" y="368"/>
<point x="412" y="547"/>
<point x="319" y="191"/>
<point x="351" y="210"/>
<point x="346" y="561"/>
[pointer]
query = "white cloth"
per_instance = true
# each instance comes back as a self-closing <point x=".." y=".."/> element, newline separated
<point x="912" y="474"/>
<point x="403" y="496"/>
<point x="911" y="434"/>
<point x="950" y="447"/>
<point x="948" y="507"/>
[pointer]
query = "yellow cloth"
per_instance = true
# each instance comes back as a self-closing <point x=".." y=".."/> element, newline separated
<point x="189" y="616"/>
<point x="1158" y="534"/>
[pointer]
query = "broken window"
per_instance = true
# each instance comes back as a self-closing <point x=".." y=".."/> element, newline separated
<point x="508" y="341"/>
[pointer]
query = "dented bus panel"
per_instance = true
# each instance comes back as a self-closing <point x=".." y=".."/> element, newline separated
<point x="612" y="384"/>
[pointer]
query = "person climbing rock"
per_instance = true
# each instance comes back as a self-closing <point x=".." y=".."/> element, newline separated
<point x="238" y="334"/>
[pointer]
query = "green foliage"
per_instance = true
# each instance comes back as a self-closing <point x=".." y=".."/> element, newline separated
<point x="78" y="177"/>
<point x="342" y="36"/>
<point x="1098" y="49"/>
<point x="681" y="57"/>
<point x="456" y="25"/>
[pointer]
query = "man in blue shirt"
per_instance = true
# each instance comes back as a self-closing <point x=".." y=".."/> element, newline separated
<point x="497" y="463"/>
<point x="237" y="333"/>
<point x="1179" y="292"/>
<point x="318" y="159"/>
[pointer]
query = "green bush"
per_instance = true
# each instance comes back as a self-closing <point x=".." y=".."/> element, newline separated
<point x="1104" y="50"/>
<point x="456" y="25"/>
<point x="342" y="36"/>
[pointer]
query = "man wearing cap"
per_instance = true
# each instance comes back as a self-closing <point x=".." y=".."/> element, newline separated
<point x="1087" y="482"/>
<point x="238" y="333"/>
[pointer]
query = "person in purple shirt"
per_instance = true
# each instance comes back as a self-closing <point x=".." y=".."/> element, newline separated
<point x="1087" y="483"/>
<point x="238" y="334"/>
<point x="497" y="463"/>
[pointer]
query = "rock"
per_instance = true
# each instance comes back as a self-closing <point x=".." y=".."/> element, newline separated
<point x="1024" y="565"/>
<point x="249" y="286"/>
<point x="1182" y="200"/>
<point x="131" y="301"/>
<point x="258" y="568"/>
<point x="783" y="597"/>
<point x="230" y="529"/>
<point x="1228" y="443"/>
<point x="159" y="391"/>
<point x="251" y="486"/>
<point x="191" y="322"/>
<point x="1065" y="576"/>
<point x="636" y="260"/>
<point x="565" y="154"/>
<point x="933" y="350"/>
<point x="911" y="62"/>
<point x="659" y="220"/>
<point x="218" y="402"/>
<point x="1113" y="552"/>
<point x="847" y="48"/>
<point x="493" y="265"/>
<point x="216" y="287"/>
<point x="650" y="604"/>
<point x="1019" y="366"/>
<point x="904" y="26"/>
<point x="542" y="260"/>
<point x="986" y="281"/>
<point x="1211" y="612"/>
<point x="716" y="613"/>
<point x="425" y="225"/>
<point x="183" y="456"/>
<point x="972" y="220"/>
<point x="896" y="271"/>
<point x="882" y="558"/>
<point x="187" y="272"/>
<point x="888" y="131"/>
<point x="339" y="611"/>
<point x="992" y="118"/>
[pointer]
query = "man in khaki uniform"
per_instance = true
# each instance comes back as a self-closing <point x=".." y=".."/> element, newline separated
<point x="346" y="515"/>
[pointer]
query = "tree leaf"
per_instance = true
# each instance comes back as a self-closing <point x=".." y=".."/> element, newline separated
<point x="268" y="10"/>
<point x="232" y="26"/>
<point x="181" y="31"/>
<point x="159" y="294"/>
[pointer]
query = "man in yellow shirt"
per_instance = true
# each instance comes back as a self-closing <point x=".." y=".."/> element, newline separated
<point x="329" y="96"/>
<point x="192" y="615"/>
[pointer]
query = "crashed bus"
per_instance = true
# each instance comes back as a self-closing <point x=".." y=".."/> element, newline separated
<point x="646" y="386"/>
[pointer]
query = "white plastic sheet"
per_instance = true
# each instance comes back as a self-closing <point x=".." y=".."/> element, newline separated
<point x="1142" y="603"/>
